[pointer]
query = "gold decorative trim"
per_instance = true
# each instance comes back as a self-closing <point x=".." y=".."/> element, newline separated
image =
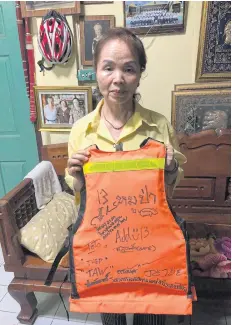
<point x="207" y="85"/>
<point x="200" y="76"/>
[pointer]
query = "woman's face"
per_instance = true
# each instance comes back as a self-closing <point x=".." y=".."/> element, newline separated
<point x="118" y="72"/>
<point x="63" y="104"/>
<point x="98" y="30"/>
<point x="50" y="100"/>
<point x="76" y="103"/>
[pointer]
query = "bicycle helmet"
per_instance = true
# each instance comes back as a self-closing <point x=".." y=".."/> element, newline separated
<point x="55" y="39"/>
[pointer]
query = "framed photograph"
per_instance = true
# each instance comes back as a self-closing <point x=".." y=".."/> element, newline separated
<point x="197" y="110"/>
<point x="58" y="108"/>
<point x="87" y="2"/>
<point x="96" y="96"/>
<point x="214" y="51"/>
<point x="155" y="17"/>
<point x="40" y="8"/>
<point x="205" y="85"/>
<point x="92" y="28"/>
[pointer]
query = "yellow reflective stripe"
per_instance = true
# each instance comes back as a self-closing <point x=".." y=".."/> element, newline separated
<point x="124" y="165"/>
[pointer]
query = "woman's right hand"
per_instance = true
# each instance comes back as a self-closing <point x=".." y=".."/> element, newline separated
<point x="76" y="162"/>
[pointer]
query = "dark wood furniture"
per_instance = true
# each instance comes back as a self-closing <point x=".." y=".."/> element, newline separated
<point x="202" y="198"/>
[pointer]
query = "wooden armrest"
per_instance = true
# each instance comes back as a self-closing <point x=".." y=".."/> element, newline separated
<point x="11" y="195"/>
<point x="16" y="209"/>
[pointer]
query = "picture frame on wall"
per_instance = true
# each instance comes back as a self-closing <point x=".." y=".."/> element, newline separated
<point x="58" y="108"/>
<point x="87" y="2"/>
<point x="203" y="85"/>
<point x="194" y="110"/>
<point x="92" y="28"/>
<point x="155" y="17"/>
<point x="41" y="8"/>
<point x="214" y="49"/>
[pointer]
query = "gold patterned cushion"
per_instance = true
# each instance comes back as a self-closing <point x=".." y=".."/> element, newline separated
<point x="45" y="233"/>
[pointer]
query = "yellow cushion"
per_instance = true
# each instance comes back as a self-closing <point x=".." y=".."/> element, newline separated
<point x="45" y="233"/>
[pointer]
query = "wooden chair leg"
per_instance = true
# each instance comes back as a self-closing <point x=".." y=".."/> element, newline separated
<point x="28" y="303"/>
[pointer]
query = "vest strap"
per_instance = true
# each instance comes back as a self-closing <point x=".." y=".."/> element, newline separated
<point x="64" y="250"/>
<point x="123" y="165"/>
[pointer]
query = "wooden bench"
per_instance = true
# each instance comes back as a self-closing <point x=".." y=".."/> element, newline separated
<point x="202" y="198"/>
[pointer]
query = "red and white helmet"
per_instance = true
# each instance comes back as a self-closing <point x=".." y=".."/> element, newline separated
<point x="55" y="38"/>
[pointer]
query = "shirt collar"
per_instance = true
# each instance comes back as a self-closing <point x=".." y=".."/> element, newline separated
<point x="140" y="115"/>
<point x="144" y="114"/>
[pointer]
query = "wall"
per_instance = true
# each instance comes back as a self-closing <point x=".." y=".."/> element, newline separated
<point x="171" y="60"/>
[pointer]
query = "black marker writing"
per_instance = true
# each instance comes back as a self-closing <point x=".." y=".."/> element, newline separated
<point x="98" y="281"/>
<point x="93" y="245"/>
<point x="125" y="235"/>
<point x="95" y="261"/>
<point x="96" y="271"/>
<point x="102" y="197"/>
<point x="163" y="283"/>
<point x="148" y="212"/>
<point x="105" y="229"/>
<point x="162" y="273"/>
<point x="134" y="248"/>
<point x="145" y="196"/>
<point x="97" y="220"/>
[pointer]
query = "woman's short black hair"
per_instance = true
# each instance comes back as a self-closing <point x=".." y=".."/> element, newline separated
<point x="129" y="38"/>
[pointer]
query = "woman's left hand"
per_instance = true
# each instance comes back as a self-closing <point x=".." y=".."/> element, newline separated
<point x="170" y="161"/>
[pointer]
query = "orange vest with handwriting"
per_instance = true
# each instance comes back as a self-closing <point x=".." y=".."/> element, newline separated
<point x="129" y="253"/>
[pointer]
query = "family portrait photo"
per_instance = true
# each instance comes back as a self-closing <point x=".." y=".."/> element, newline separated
<point x="60" y="109"/>
<point x="155" y="16"/>
<point x="92" y="29"/>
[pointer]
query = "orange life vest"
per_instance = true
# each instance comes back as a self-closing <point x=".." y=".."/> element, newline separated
<point x="129" y="253"/>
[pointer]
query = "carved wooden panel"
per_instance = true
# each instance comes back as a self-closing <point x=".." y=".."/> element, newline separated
<point x="203" y="196"/>
<point x="57" y="154"/>
<point x="195" y="188"/>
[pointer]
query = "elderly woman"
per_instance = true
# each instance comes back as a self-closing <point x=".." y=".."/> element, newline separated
<point x="120" y="123"/>
<point x="63" y="112"/>
<point x="98" y="32"/>
<point x="76" y="112"/>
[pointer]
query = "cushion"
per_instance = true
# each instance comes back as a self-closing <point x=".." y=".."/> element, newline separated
<point x="211" y="256"/>
<point x="45" y="233"/>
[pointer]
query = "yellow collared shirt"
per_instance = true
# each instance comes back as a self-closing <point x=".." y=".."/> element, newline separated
<point x="144" y="123"/>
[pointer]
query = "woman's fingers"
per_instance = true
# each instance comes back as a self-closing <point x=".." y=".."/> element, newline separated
<point x="76" y="162"/>
<point x="83" y="152"/>
<point x="73" y="170"/>
<point x="79" y="160"/>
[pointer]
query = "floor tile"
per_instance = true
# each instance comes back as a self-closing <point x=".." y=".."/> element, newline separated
<point x="208" y="314"/>
<point x="228" y="320"/>
<point x="43" y="321"/>
<point x="1" y="257"/>
<point x="8" y="318"/>
<point x="48" y="304"/>
<point x="5" y="277"/>
<point x="3" y="292"/>
<point x="129" y="319"/>
<point x="204" y="313"/>
<point x="77" y="317"/>
<point x="227" y="311"/>
<point x="65" y="322"/>
<point x="94" y="319"/>
<point x="9" y="304"/>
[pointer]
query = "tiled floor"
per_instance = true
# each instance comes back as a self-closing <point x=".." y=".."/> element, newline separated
<point x="51" y="310"/>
